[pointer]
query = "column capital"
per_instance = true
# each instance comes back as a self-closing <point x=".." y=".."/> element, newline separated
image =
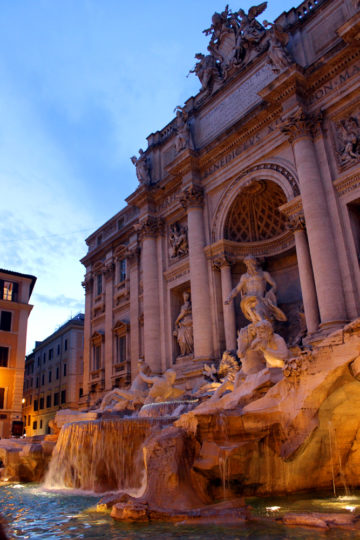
<point x="221" y="260"/>
<point x="301" y="124"/>
<point x="192" y="197"/>
<point x="151" y="227"/>
<point x="296" y="223"/>
<point x="88" y="283"/>
<point x="109" y="269"/>
<point x="132" y="254"/>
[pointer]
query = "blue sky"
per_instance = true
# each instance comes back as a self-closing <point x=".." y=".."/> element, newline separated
<point x="82" y="83"/>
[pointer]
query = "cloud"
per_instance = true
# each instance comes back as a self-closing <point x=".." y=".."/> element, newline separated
<point x="59" y="301"/>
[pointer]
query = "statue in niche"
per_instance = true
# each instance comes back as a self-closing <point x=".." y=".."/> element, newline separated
<point x="349" y="135"/>
<point x="259" y="306"/>
<point x="178" y="242"/>
<point x="142" y="166"/>
<point x="184" y="137"/>
<point x="119" y="399"/>
<point x="162" y="387"/>
<point x="208" y="71"/>
<point x="278" y="57"/>
<point x="184" y="327"/>
<point x="257" y="303"/>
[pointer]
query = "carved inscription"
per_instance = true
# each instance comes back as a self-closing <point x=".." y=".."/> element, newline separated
<point x="232" y="107"/>
<point x="335" y="83"/>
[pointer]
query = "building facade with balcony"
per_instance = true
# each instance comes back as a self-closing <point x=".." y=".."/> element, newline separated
<point x="263" y="161"/>
<point x="15" y="292"/>
<point x="53" y="376"/>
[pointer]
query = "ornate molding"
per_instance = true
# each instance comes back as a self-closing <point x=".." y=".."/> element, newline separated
<point x="97" y="338"/>
<point x="133" y="254"/>
<point x="300" y="125"/>
<point x="88" y="284"/>
<point x="192" y="197"/>
<point x="109" y="269"/>
<point x="151" y="227"/>
<point x="121" y="328"/>
<point x="348" y="184"/>
<point x="221" y="260"/>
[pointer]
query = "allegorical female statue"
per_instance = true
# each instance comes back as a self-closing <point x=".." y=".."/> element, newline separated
<point x="184" y="327"/>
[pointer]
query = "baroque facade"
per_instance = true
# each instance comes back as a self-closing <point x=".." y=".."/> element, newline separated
<point x="15" y="292"/>
<point x="53" y="376"/>
<point x="263" y="161"/>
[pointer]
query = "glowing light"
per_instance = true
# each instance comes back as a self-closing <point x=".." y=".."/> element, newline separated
<point x="18" y="486"/>
<point x="273" y="508"/>
<point x="350" y="508"/>
<point x="23" y="400"/>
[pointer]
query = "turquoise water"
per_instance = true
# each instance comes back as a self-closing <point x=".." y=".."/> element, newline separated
<point x="33" y="513"/>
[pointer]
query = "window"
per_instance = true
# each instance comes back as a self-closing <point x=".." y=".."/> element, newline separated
<point x="65" y="345"/>
<point x="58" y="350"/>
<point x="41" y="403"/>
<point x="121" y="223"/>
<point x="56" y="399"/>
<point x="64" y="370"/>
<point x="99" y="240"/>
<point x="5" y="321"/>
<point x="51" y="354"/>
<point x="2" y="398"/>
<point x="29" y="420"/>
<point x="38" y="361"/>
<point x="9" y="290"/>
<point x="99" y="284"/>
<point x="81" y="392"/>
<point x="122" y="269"/>
<point x="120" y="349"/>
<point x="49" y="376"/>
<point x="37" y="382"/>
<point x="57" y="373"/>
<point x="36" y="405"/>
<point x="40" y="424"/>
<point x="44" y="358"/>
<point x="4" y="356"/>
<point x="63" y="396"/>
<point x="35" y="424"/>
<point x="30" y="400"/>
<point x="43" y="379"/>
<point x="48" y="401"/>
<point x="96" y="357"/>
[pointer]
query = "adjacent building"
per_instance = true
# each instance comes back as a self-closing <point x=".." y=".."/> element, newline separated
<point x="53" y="376"/>
<point x="263" y="161"/>
<point x="15" y="292"/>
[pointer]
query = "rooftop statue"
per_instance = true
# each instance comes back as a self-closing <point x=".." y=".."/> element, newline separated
<point x="251" y="30"/>
<point x="163" y="388"/>
<point x="208" y="71"/>
<point x="142" y="166"/>
<point x="184" y="136"/>
<point x="257" y="303"/>
<point x="121" y="398"/>
<point x="278" y="57"/>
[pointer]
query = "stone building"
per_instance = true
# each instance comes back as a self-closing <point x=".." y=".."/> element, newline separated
<point x="53" y="376"/>
<point x="15" y="292"/>
<point x="264" y="160"/>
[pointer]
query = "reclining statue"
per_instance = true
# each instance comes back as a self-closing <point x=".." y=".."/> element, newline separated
<point x="162" y="387"/>
<point x="122" y="398"/>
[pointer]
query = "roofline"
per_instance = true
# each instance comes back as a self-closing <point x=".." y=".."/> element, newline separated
<point x="19" y="274"/>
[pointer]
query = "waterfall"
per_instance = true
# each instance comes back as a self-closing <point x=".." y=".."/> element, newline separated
<point x="100" y="455"/>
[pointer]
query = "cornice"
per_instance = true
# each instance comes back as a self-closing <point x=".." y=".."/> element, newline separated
<point x="236" y="251"/>
<point x="347" y="184"/>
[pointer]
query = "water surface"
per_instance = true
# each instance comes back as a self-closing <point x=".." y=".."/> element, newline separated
<point x="34" y="513"/>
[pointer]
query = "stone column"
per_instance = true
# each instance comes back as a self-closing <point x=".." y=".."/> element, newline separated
<point x="150" y="228"/>
<point x="228" y="309"/>
<point x="108" y="272"/>
<point x="133" y="262"/>
<point x="88" y="285"/>
<point x="297" y="225"/>
<point x="299" y="129"/>
<point x="200" y="292"/>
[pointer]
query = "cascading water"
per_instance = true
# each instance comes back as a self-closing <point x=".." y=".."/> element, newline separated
<point x="101" y="455"/>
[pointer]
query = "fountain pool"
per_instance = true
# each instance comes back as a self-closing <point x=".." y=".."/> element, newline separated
<point x="31" y="512"/>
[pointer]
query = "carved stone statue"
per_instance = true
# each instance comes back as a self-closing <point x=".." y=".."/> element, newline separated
<point x="184" y="136"/>
<point x="252" y="31"/>
<point x="162" y="387"/>
<point x="228" y="369"/>
<point x="256" y="303"/>
<point x="142" y="166"/>
<point x="121" y="398"/>
<point x="278" y="57"/>
<point x="272" y="346"/>
<point x="178" y="242"/>
<point x="207" y="70"/>
<point x="349" y="135"/>
<point x="184" y="327"/>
